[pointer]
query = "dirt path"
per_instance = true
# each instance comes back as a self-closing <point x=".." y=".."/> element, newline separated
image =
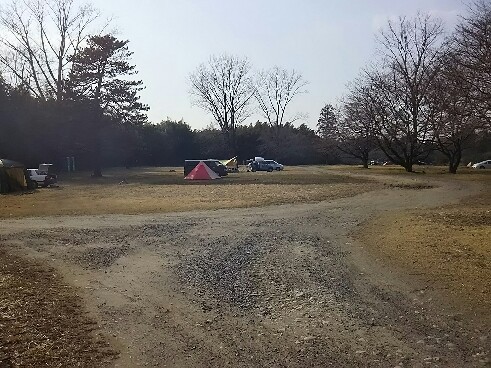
<point x="282" y="286"/>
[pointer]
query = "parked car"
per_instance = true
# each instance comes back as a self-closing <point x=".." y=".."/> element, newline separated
<point x="264" y="165"/>
<point x="41" y="178"/>
<point x="482" y="165"/>
<point x="275" y="165"/>
<point x="213" y="164"/>
<point x="259" y="166"/>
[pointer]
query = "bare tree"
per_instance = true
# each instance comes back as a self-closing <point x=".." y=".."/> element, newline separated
<point x="274" y="90"/>
<point x="355" y="126"/>
<point x="461" y="93"/>
<point x="223" y="88"/>
<point x="470" y="48"/>
<point x="454" y="118"/>
<point x="39" y="35"/>
<point x="400" y="86"/>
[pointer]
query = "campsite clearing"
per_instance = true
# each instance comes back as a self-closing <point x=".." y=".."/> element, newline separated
<point x="351" y="281"/>
<point x="164" y="190"/>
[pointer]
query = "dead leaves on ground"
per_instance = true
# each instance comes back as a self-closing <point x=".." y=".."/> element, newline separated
<point x="42" y="321"/>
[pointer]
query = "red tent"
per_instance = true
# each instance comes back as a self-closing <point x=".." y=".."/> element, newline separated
<point x="202" y="172"/>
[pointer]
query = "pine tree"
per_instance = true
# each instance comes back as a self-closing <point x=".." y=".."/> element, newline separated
<point x="99" y="81"/>
<point x="326" y="125"/>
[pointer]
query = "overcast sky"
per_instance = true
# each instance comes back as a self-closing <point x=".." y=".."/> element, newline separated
<point x="327" y="41"/>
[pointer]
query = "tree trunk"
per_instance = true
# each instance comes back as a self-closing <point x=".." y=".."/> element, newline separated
<point x="230" y="141"/>
<point x="364" y="158"/>
<point x="96" y="154"/>
<point x="233" y="143"/>
<point x="454" y="161"/>
<point x="97" y="172"/>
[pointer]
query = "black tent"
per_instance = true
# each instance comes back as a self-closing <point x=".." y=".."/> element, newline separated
<point x="12" y="176"/>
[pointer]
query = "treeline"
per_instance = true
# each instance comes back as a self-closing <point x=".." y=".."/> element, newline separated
<point x="427" y="97"/>
<point x="170" y="143"/>
<point x="34" y="130"/>
<point x="73" y="93"/>
<point x="425" y="92"/>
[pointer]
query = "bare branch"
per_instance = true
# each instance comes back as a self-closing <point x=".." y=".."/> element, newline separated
<point x="223" y="88"/>
<point x="44" y="34"/>
<point x="397" y="91"/>
<point x="274" y="90"/>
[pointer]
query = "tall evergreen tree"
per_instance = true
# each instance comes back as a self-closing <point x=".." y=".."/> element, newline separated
<point x="99" y="80"/>
<point x="326" y="124"/>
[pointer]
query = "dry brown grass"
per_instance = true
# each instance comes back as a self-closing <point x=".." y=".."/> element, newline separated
<point x="153" y="190"/>
<point x="42" y="321"/>
<point x="463" y="173"/>
<point x="448" y="247"/>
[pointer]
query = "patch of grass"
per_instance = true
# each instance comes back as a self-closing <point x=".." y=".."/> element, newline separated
<point x="448" y="246"/>
<point x="155" y="190"/>
<point x="174" y="176"/>
<point x="463" y="173"/>
<point x="42" y="322"/>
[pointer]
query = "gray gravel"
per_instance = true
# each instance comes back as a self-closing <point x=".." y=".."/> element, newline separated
<point x="227" y="273"/>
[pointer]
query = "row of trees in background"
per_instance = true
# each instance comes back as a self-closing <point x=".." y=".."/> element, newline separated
<point x="425" y="93"/>
<point x="32" y="130"/>
<point x="67" y="88"/>
<point x="170" y="142"/>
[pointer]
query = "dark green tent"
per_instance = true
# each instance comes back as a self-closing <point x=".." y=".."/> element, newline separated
<point x="12" y="176"/>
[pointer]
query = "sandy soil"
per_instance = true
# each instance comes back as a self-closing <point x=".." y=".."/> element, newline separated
<point x="279" y="286"/>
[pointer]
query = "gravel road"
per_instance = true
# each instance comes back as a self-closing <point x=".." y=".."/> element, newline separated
<point x="282" y="286"/>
